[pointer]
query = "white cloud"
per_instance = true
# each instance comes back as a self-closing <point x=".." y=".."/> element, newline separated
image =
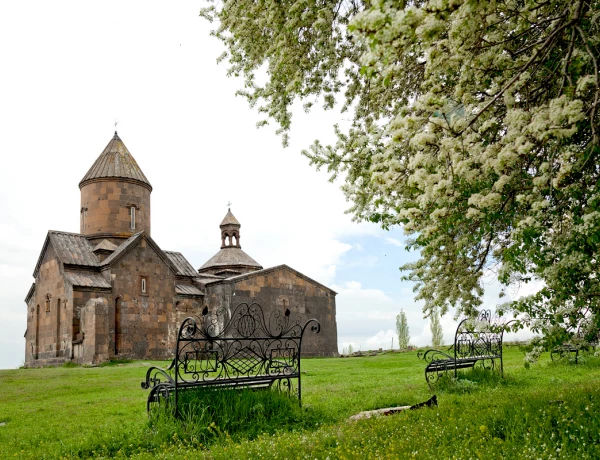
<point x="383" y="339"/>
<point x="394" y="242"/>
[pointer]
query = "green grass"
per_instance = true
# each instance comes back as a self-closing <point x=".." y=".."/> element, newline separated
<point x="548" y="411"/>
<point x="206" y="415"/>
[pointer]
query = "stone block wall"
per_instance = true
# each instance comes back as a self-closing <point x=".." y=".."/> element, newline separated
<point x="48" y="315"/>
<point x="184" y="307"/>
<point x="283" y="288"/>
<point x="139" y="322"/>
<point x="83" y="302"/>
<point x="107" y="204"/>
<point x="93" y="318"/>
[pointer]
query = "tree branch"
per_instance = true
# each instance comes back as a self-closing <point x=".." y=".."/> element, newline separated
<point x="513" y="80"/>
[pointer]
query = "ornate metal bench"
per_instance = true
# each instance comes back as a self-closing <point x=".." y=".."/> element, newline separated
<point x="244" y="350"/>
<point x="476" y="342"/>
<point x="584" y="338"/>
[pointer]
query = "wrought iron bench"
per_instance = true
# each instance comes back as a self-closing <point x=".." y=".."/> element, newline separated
<point x="476" y="342"/>
<point x="244" y="350"/>
<point x="585" y="337"/>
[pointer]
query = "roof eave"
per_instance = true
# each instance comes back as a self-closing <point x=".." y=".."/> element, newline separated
<point x="130" y="180"/>
<point x="42" y="253"/>
<point x="269" y="270"/>
<point x="30" y="293"/>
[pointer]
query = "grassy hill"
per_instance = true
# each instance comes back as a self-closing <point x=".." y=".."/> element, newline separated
<point x="548" y="411"/>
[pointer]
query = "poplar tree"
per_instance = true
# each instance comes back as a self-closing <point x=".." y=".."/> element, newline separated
<point x="475" y="125"/>
<point x="402" y="330"/>
<point x="437" y="335"/>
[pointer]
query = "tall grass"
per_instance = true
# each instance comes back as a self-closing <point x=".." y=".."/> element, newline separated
<point x="205" y="414"/>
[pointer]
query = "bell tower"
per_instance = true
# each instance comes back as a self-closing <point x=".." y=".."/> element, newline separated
<point x="115" y="196"/>
<point x="230" y="231"/>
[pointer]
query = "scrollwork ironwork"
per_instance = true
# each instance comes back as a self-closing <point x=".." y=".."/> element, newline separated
<point x="476" y="342"/>
<point x="246" y="348"/>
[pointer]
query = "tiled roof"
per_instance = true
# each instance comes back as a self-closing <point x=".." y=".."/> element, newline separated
<point x="115" y="161"/>
<point x="230" y="256"/>
<point x="229" y="219"/>
<point x="205" y="278"/>
<point x="183" y="267"/>
<point x="129" y="241"/>
<point x="73" y="249"/>
<point x="186" y="289"/>
<point x="83" y="279"/>
<point x="267" y="271"/>
<point x="105" y="245"/>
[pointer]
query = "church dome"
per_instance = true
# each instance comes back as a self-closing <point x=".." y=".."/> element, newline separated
<point x="232" y="258"/>
<point x="115" y="162"/>
<point x="115" y="196"/>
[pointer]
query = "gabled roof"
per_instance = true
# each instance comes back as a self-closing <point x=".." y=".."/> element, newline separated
<point x="105" y="245"/>
<point x="184" y="268"/>
<point x="230" y="256"/>
<point x="186" y="289"/>
<point x="132" y="242"/>
<point x="229" y="219"/>
<point x="71" y="249"/>
<point x="85" y="279"/>
<point x="204" y="278"/>
<point x="116" y="161"/>
<point x="123" y="249"/>
<point x="266" y="271"/>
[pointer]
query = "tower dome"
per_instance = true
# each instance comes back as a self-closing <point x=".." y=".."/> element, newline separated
<point x="230" y="260"/>
<point x="115" y="196"/>
<point x="230" y="231"/>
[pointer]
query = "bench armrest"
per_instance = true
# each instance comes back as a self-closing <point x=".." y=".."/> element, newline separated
<point x="156" y="376"/>
<point x="434" y="355"/>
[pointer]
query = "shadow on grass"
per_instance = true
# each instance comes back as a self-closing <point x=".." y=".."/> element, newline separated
<point x="116" y="362"/>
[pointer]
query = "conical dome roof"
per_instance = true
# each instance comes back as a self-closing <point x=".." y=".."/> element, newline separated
<point x="116" y="161"/>
<point x="232" y="258"/>
<point x="229" y="219"/>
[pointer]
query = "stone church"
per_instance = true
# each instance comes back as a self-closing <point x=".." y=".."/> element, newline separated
<point x="110" y="291"/>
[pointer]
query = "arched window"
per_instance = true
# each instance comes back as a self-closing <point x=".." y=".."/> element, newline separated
<point x="132" y="212"/>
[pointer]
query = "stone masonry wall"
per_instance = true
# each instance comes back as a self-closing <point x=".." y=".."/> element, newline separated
<point x="82" y="299"/>
<point x="184" y="307"/>
<point x="94" y="328"/>
<point x="107" y="204"/>
<point x="283" y="289"/>
<point x="139" y="322"/>
<point x="49" y="314"/>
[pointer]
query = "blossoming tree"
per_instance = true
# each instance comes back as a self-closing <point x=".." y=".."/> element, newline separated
<point x="475" y="127"/>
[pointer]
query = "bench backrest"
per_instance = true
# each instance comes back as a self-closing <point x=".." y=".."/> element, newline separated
<point x="475" y="338"/>
<point x="243" y="347"/>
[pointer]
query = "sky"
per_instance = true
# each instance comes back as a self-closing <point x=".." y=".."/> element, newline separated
<point x="72" y="69"/>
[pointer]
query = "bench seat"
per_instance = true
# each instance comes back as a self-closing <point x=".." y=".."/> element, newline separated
<point x="473" y="344"/>
<point x="246" y="350"/>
